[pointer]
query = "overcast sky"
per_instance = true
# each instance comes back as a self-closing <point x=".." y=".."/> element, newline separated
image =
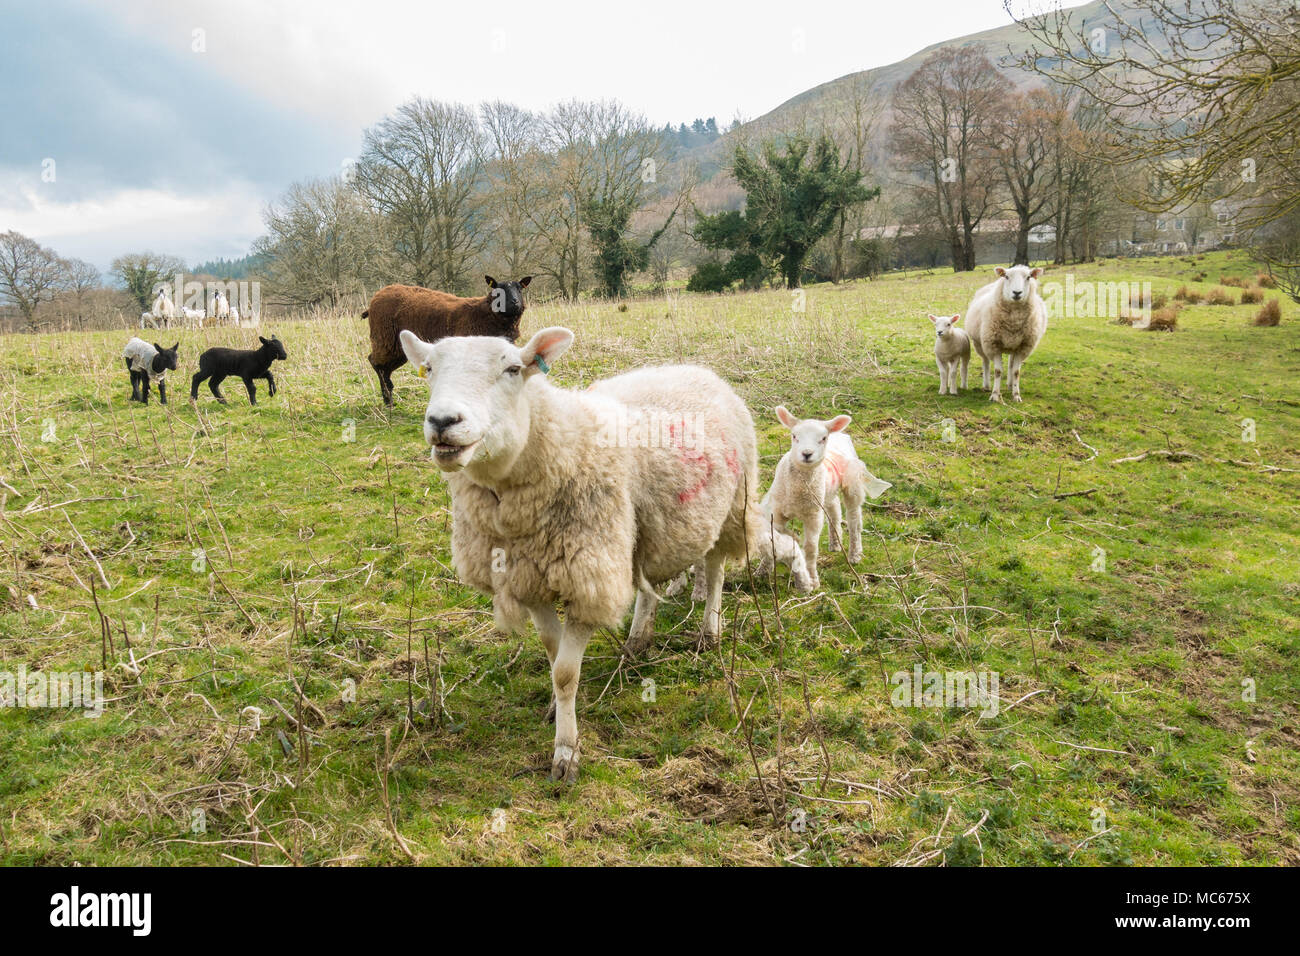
<point x="169" y="139"/>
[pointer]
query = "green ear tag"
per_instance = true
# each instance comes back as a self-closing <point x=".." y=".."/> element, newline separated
<point x="541" y="363"/>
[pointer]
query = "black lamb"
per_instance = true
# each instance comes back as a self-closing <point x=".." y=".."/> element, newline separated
<point x="148" y="362"/>
<point x="216" y="364"/>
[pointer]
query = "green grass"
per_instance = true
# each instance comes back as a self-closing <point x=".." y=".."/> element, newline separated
<point x="971" y="564"/>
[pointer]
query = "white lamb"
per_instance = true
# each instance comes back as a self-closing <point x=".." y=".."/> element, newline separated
<point x="951" y="352"/>
<point x="193" y="317"/>
<point x="147" y="320"/>
<point x="587" y="499"/>
<point x="821" y="466"/>
<point x="1007" y="315"/>
<point x="234" y="316"/>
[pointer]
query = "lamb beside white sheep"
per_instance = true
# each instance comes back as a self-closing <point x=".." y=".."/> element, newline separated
<point x="951" y="352"/>
<point x="1007" y="316"/>
<point x="821" y="467"/>
<point x="587" y="499"/>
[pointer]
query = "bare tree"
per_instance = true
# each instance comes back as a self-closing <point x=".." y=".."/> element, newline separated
<point x="82" y="278"/>
<point x="945" y="130"/>
<point x="422" y="168"/>
<point x="514" y="173"/>
<point x="1204" y="91"/>
<point x="856" y="118"/>
<point x="322" y="244"/>
<point x="29" y="274"/>
<point x="1028" y="125"/>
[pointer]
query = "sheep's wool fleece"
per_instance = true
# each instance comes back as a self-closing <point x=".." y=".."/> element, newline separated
<point x="142" y="354"/>
<point x="637" y="477"/>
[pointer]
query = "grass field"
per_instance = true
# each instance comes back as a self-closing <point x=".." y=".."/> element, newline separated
<point x="266" y="557"/>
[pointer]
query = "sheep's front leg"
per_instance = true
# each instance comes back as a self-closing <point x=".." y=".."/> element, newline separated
<point x="642" y="634"/>
<point x="252" y="391"/>
<point x="566" y="671"/>
<point x="833" y="515"/>
<point x="812" y="532"/>
<point x="551" y="630"/>
<point x="943" y="375"/>
<point x="162" y="391"/>
<point x="996" y="394"/>
<point x="270" y="383"/>
<point x="214" y="386"/>
<point x="1013" y="375"/>
<point x="144" y="387"/>
<point x="714" y="564"/>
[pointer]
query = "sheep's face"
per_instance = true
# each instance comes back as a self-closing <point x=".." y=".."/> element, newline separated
<point x="506" y="299"/>
<point x="478" y="412"/>
<point x="276" y="347"/>
<point x="943" y="325"/>
<point x="165" y="360"/>
<point x="1019" y="283"/>
<point x="809" y="436"/>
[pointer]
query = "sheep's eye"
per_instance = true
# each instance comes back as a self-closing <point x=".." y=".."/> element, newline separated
<point x="823" y="440"/>
<point x="514" y="370"/>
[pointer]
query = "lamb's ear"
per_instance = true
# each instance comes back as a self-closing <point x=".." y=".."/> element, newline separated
<point x="934" y="320"/>
<point x="838" y="423"/>
<point x="176" y="346"/>
<point x="544" y="348"/>
<point x="159" y="347"/>
<point x="417" y="350"/>
<point x="1035" y="273"/>
<point x="523" y="283"/>
<point x="263" y="341"/>
<point x="491" y="281"/>
<point x="785" y="418"/>
<point x="1000" y="272"/>
<point x="956" y="318"/>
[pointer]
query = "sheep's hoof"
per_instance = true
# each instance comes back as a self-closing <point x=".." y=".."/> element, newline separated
<point x="564" y="764"/>
<point x="855" y="557"/>
<point x="638" y="644"/>
<point x="995" y="396"/>
<point x="706" y="641"/>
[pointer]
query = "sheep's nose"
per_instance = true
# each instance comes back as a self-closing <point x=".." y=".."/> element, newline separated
<point x="807" y="456"/>
<point x="1016" y="295"/>
<point x="441" y="423"/>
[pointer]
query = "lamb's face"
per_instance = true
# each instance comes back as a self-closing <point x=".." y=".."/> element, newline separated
<point x="809" y="437"/>
<point x="478" y="411"/>
<point x="943" y="325"/>
<point x="1019" y="283"/>
<point x="165" y="360"/>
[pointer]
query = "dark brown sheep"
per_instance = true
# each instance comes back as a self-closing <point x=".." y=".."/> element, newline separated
<point x="434" y="315"/>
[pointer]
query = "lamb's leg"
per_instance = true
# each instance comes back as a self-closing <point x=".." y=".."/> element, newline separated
<point x="1014" y="376"/>
<point x="144" y="387"/>
<point x="642" y="634"/>
<point x="833" y="515"/>
<point x="853" y="506"/>
<point x="996" y="394"/>
<point x="714" y="564"/>
<point x="943" y="375"/>
<point x="162" y="391"/>
<point x="214" y="385"/>
<point x="550" y="629"/>
<point x="812" y="532"/>
<point x="252" y="390"/>
<point x="195" y="382"/>
<point x="566" y="670"/>
<point x="135" y="381"/>
<point x="778" y="546"/>
<point x="270" y="383"/>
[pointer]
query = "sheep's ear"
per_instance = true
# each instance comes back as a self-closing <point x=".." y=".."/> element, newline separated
<point x="417" y="351"/>
<point x="1035" y="273"/>
<point x="956" y="319"/>
<point x="1000" y="272"/>
<point x="176" y="346"/>
<point x="263" y="341"/>
<point x="544" y="348"/>
<point x="838" y="423"/>
<point x="934" y="320"/>
<point x="523" y="283"/>
<point x="159" y="347"/>
<point x="491" y="281"/>
<point x="785" y="418"/>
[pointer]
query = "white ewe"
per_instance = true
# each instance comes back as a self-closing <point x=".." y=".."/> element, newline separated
<point x="164" y="310"/>
<point x="951" y="352"/>
<point x="586" y="499"/>
<point x="1007" y="315"/>
<point x="821" y="466"/>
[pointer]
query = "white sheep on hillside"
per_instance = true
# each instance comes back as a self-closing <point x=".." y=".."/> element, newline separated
<point x="951" y="352"/>
<point x="219" y="307"/>
<point x="1007" y="316"/>
<point x="164" y="310"/>
<point x="821" y="467"/>
<point x="587" y="499"/>
<point x="193" y="317"/>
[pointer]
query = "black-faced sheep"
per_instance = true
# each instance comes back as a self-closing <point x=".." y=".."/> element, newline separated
<point x="247" y="364"/>
<point x="146" y="363"/>
<point x="434" y="315"/>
